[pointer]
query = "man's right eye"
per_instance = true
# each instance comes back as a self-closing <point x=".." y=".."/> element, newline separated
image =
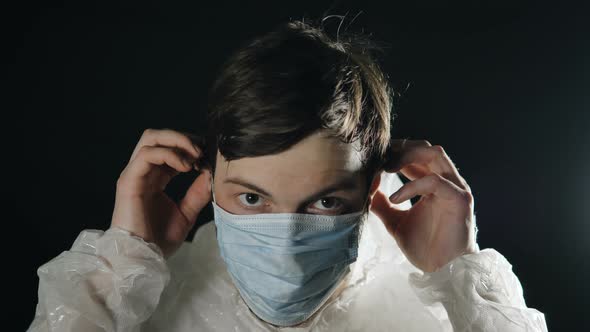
<point x="249" y="200"/>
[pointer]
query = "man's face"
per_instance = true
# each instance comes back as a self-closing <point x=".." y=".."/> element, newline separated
<point x="318" y="175"/>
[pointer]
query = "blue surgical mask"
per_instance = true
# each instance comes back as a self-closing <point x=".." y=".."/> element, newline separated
<point x="287" y="265"/>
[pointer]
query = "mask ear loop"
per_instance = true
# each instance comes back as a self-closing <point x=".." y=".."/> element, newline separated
<point x="211" y="188"/>
<point x="213" y="196"/>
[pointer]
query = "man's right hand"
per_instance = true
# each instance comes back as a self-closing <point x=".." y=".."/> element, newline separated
<point x="141" y="205"/>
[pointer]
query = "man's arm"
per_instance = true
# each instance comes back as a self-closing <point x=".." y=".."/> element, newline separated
<point x="107" y="281"/>
<point x="480" y="292"/>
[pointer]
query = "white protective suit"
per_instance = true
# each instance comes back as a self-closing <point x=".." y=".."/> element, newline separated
<point x="113" y="281"/>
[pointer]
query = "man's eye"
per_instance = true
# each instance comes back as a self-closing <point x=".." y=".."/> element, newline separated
<point x="331" y="203"/>
<point x="250" y="199"/>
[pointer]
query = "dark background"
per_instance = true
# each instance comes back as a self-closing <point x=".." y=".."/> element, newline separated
<point x="503" y="87"/>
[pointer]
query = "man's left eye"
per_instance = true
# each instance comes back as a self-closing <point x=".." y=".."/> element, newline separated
<point x="329" y="202"/>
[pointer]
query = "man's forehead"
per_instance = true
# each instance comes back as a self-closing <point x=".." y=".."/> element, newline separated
<point x="313" y="173"/>
<point x="316" y="156"/>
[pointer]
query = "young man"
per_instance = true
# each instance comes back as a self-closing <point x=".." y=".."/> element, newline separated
<point x="299" y="165"/>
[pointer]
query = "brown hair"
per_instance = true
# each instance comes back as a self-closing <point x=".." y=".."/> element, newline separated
<point x="287" y="84"/>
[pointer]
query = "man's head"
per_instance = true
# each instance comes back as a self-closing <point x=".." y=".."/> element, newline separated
<point x="294" y="113"/>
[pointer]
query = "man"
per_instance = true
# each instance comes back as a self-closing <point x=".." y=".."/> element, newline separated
<point x="300" y="167"/>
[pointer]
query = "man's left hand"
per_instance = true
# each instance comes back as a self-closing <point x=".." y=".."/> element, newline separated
<point x="441" y="225"/>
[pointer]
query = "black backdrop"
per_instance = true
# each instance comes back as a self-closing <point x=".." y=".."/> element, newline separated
<point x="502" y="87"/>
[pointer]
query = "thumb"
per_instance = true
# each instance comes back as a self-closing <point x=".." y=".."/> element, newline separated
<point x="196" y="197"/>
<point x="385" y="210"/>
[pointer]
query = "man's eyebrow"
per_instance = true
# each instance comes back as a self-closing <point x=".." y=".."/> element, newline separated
<point x="346" y="184"/>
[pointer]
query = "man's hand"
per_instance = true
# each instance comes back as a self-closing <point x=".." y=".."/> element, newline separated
<point x="441" y="225"/>
<point x="142" y="207"/>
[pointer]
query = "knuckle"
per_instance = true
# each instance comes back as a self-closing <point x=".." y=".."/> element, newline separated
<point x="468" y="188"/>
<point x="147" y="152"/>
<point x="425" y="142"/>
<point x="147" y="132"/>
<point x="439" y="149"/>
<point x="467" y="197"/>
<point x="143" y="151"/>
<point x="121" y="182"/>
<point x="434" y="179"/>
<point x="124" y="187"/>
<point x="168" y="131"/>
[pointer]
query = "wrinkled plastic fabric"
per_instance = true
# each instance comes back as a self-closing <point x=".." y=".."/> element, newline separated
<point x="113" y="281"/>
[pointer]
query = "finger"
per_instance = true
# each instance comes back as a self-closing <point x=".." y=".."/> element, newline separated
<point x="197" y="196"/>
<point x="431" y="156"/>
<point x="201" y="144"/>
<point x="197" y="140"/>
<point x="397" y="148"/>
<point x="413" y="172"/>
<point x="150" y="157"/>
<point x="400" y="144"/>
<point x="389" y="215"/>
<point x="167" y="138"/>
<point x="434" y="159"/>
<point x="450" y="171"/>
<point x="430" y="184"/>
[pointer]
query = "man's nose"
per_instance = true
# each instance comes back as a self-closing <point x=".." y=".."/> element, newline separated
<point x="290" y="207"/>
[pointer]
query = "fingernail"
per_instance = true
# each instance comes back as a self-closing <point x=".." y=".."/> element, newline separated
<point x="394" y="197"/>
<point x="197" y="148"/>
